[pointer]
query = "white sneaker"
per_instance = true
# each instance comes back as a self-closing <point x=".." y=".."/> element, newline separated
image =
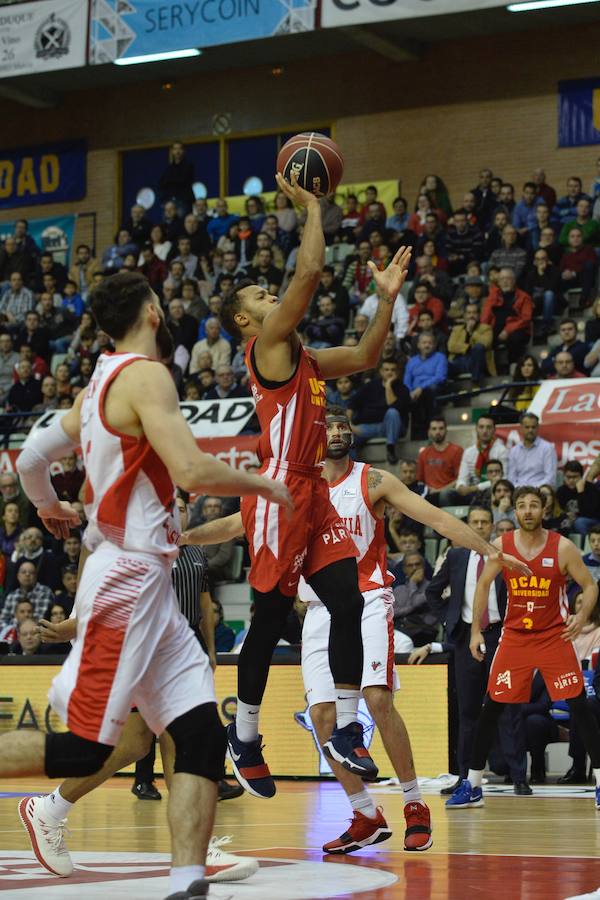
<point x="223" y="866"/>
<point x="47" y="837"/>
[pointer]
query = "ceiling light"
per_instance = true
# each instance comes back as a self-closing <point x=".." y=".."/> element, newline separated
<point x="532" y="5"/>
<point x="156" y="57"/>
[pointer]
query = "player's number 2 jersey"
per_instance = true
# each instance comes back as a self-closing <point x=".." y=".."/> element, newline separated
<point x="536" y="602"/>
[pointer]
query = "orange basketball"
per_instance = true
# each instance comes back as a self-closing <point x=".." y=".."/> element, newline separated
<point x="316" y="160"/>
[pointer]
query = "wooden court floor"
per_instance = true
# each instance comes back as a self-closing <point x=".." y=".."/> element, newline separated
<point x="538" y="848"/>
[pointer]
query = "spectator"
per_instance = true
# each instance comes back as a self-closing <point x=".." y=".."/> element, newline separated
<point x="422" y="325"/>
<point x="564" y="366"/>
<point x="34" y="335"/>
<point x="566" y="208"/>
<point x="416" y="221"/>
<point x="494" y="473"/>
<point x="16" y="301"/>
<point x="30" y="548"/>
<point x="509" y="255"/>
<point x="437" y="192"/>
<point x="493" y="240"/>
<point x="152" y="268"/>
<point x="47" y="266"/>
<point x="440" y="284"/>
<point x="543" y="222"/>
<point x="506" y="198"/>
<point x="509" y="311"/>
<point x="213" y="343"/>
<point x="592" y="326"/>
<point x="172" y="222"/>
<point x="11" y="492"/>
<point x="533" y="461"/>
<point x="225" y="387"/>
<point x="542" y="282"/>
<point x="343" y="393"/>
<point x="69" y="482"/>
<point x="186" y="257"/>
<point x="71" y="547"/>
<point x="553" y="517"/>
<point x="219" y="556"/>
<point x="473" y="477"/>
<point x="23" y="610"/>
<point x="224" y="635"/>
<point x="25" y="393"/>
<point x="231" y="267"/>
<point x="438" y="465"/>
<point x="49" y="399"/>
<point x="83" y="269"/>
<point x="588" y="639"/>
<point x="470" y="347"/>
<point x="527" y="370"/>
<point x="39" y="595"/>
<point x="503" y="526"/>
<point x="578" y="267"/>
<point x="193" y="303"/>
<point x="424" y="300"/>
<point x="569" y="341"/>
<point x="264" y="273"/>
<point x="464" y="242"/>
<point x="184" y="329"/>
<point x="10" y="529"/>
<point x="327" y="330"/>
<point x="549" y="243"/>
<point x="65" y="598"/>
<point x="485" y="200"/>
<point x="62" y="376"/>
<point x="357" y="276"/>
<point x="57" y="327"/>
<point x="502" y="505"/>
<point x="255" y="211"/>
<point x="590" y="228"/>
<point x="547" y="193"/>
<point x="114" y="256"/>
<point x="579" y="499"/>
<point x="371" y="197"/>
<point x="592" y="360"/>
<point x="523" y="217"/>
<point x="424" y="376"/>
<point x="286" y="215"/>
<point x="176" y="181"/>
<point x="138" y="224"/>
<point x="8" y="361"/>
<point x="331" y="286"/>
<point x="25" y="243"/>
<point x="412" y="615"/>
<point x="592" y="559"/>
<point x="399" y="220"/>
<point x="399" y="314"/>
<point x="12" y="259"/>
<point x="29" y="641"/>
<point x="397" y="523"/>
<point x="220" y="222"/>
<point x="380" y="408"/>
<point x="332" y="216"/>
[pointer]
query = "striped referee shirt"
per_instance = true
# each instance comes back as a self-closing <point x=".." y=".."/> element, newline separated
<point x="190" y="579"/>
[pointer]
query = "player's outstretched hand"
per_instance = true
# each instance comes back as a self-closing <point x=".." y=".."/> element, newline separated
<point x="277" y="492"/>
<point x="394" y="275"/>
<point x="475" y="645"/>
<point x="59" y="519"/>
<point x="293" y="191"/>
<point x="511" y="562"/>
<point x="573" y="628"/>
<point x="57" y="632"/>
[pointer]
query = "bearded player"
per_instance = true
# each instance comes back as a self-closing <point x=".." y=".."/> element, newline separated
<point x="359" y="494"/>
<point x="537" y="634"/>
<point x="288" y="385"/>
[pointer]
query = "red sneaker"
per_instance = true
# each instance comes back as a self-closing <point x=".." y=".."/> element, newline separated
<point x="362" y="832"/>
<point x="418" y="826"/>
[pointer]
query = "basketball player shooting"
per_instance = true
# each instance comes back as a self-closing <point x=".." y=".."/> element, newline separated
<point x="288" y="385"/>
<point x="537" y="634"/>
<point x="133" y="646"/>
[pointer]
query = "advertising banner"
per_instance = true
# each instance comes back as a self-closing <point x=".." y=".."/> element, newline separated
<point x="42" y="36"/>
<point x="335" y="13"/>
<point x="579" y="112"/>
<point x="52" y="235"/>
<point x="141" y="27"/>
<point x="50" y="173"/>
<point x="284" y="717"/>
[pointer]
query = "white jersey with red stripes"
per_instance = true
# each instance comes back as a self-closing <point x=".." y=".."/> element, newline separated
<point x="350" y="497"/>
<point x="128" y="494"/>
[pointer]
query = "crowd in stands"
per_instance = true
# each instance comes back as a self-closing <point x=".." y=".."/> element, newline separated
<point x="495" y="278"/>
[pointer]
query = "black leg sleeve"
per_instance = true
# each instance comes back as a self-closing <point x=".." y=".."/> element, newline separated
<point x="144" y="768"/>
<point x="271" y="610"/>
<point x="337" y="587"/>
<point x="485" y="732"/>
<point x="587" y="726"/>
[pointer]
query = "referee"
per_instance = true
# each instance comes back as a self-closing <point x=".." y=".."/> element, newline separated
<point x="190" y="582"/>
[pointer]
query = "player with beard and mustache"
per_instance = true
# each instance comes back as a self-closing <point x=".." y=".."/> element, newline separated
<point x="537" y="634"/>
<point x="360" y="493"/>
<point x="133" y="646"/>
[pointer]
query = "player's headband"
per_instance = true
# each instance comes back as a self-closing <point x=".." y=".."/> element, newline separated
<point x="340" y="420"/>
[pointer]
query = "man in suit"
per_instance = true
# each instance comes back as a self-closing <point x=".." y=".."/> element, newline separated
<point x="460" y="572"/>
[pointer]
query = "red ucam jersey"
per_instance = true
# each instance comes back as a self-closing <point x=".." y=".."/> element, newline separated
<point x="291" y="415"/>
<point x="536" y="602"/>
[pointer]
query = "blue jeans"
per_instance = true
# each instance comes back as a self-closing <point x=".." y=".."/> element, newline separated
<point x="472" y="363"/>
<point x="582" y="524"/>
<point x="548" y="304"/>
<point x="392" y="428"/>
<point x="60" y="345"/>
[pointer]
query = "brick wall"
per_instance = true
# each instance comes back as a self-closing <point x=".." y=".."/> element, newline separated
<point x="489" y="101"/>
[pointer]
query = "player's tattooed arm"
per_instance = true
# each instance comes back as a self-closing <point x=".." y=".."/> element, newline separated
<point x="374" y="478"/>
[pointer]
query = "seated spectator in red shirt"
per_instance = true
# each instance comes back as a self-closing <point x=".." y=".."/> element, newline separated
<point x="425" y="300"/>
<point x="564" y="366"/>
<point x="438" y="465"/>
<point x="69" y="482"/>
<point x="509" y="311"/>
<point x="153" y="268"/>
<point x="371" y="197"/>
<point x="416" y="221"/>
<point x="578" y="267"/>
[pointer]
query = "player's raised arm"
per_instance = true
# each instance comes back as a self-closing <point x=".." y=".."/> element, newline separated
<point x="216" y="532"/>
<point x="285" y="316"/>
<point x="570" y="557"/>
<point x="153" y="398"/>
<point x="336" y="361"/>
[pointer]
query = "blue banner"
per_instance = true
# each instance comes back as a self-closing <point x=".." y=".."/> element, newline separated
<point x="51" y="173"/>
<point x="141" y="27"/>
<point x="53" y="235"/>
<point x="579" y="112"/>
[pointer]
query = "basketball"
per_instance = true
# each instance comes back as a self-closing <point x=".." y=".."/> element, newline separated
<point x="316" y="160"/>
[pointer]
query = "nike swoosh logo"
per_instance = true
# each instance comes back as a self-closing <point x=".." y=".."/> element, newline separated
<point x="345" y="698"/>
<point x="235" y="756"/>
<point x="250" y="713"/>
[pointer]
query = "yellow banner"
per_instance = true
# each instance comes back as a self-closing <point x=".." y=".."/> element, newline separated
<point x="387" y="191"/>
<point x="290" y="747"/>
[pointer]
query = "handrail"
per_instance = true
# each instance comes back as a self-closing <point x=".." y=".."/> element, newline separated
<point x="505" y="387"/>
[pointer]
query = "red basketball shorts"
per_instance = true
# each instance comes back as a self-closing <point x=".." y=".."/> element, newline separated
<point x="517" y="658"/>
<point x="283" y="546"/>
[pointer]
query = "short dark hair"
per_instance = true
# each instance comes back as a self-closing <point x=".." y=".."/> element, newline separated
<point x="525" y="491"/>
<point x="461" y="211"/>
<point x="496" y="462"/>
<point x="438" y="419"/>
<point x="567" y="321"/>
<point x="574" y="466"/>
<point x="423" y="284"/>
<point x="336" y="410"/>
<point x="528" y="415"/>
<point x="595" y="529"/>
<point x="370" y="187"/>
<point x="484" y="509"/>
<point x="116" y="302"/>
<point x="328" y="269"/>
<point x="232" y="304"/>
<point x="530" y="184"/>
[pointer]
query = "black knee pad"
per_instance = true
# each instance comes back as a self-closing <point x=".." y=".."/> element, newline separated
<point x="69" y="756"/>
<point x="200" y="742"/>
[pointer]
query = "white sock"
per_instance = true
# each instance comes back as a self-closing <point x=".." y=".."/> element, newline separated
<point x="180" y="877"/>
<point x="475" y="776"/>
<point x="363" y="803"/>
<point x="597" y="776"/>
<point x="411" y="791"/>
<point x="246" y="721"/>
<point x="56" y="807"/>
<point x="346" y="706"/>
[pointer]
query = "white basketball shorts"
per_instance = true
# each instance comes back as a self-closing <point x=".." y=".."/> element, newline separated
<point x="378" y="646"/>
<point x="133" y="648"/>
